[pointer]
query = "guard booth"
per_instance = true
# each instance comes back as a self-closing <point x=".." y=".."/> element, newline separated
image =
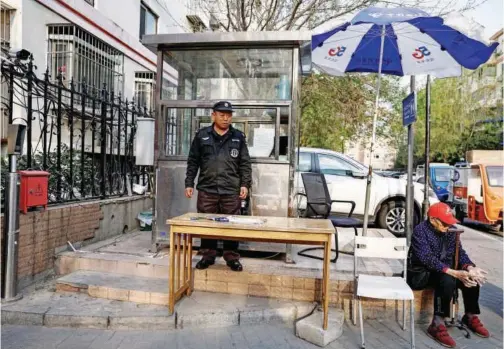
<point x="260" y="74"/>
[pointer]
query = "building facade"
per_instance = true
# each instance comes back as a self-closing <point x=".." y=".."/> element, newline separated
<point x="96" y="43"/>
<point x="384" y="155"/>
<point x="486" y="85"/>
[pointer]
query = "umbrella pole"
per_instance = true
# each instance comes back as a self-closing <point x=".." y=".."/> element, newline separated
<point x="409" y="186"/>
<point x="373" y="137"/>
<point x="425" y="204"/>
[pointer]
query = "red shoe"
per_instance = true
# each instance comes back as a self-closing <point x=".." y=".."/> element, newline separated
<point x="440" y="334"/>
<point x="476" y="326"/>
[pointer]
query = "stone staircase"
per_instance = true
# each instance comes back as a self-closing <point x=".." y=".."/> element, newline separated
<point x="124" y="286"/>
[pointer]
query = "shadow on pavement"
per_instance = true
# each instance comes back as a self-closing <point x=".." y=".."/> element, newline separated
<point x="491" y="298"/>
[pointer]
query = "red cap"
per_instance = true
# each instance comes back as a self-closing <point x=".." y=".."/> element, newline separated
<point x="442" y="212"/>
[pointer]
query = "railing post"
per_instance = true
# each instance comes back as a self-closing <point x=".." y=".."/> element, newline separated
<point x="93" y="134"/>
<point x="119" y="110"/>
<point x="44" y="128"/>
<point x="103" y="141"/>
<point x="58" y="139"/>
<point x="130" y="143"/>
<point x="123" y="159"/>
<point x="111" y="146"/>
<point x="70" y="124"/>
<point x="29" y="112"/>
<point x="83" y="137"/>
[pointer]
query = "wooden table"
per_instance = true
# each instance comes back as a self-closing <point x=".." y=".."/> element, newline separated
<point x="274" y="229"/>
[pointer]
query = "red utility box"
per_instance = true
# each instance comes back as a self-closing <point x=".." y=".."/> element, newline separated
<point x="33" y="189"/>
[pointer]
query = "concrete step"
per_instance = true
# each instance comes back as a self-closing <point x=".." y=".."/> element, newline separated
<point x="269" y="278"/>
<point x="116" y="287"/>
<point x="201" y="309"/>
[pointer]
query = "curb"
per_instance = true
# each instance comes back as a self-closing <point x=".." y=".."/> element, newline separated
<point x="50" y="318"/>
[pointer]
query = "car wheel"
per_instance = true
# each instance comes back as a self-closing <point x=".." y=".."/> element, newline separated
<point x="392" y="217"/>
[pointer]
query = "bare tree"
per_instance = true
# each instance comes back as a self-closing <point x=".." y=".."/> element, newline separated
<point x="275" y="15"/>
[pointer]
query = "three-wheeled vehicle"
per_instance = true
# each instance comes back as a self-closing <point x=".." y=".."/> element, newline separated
<point x="478" y="192"/>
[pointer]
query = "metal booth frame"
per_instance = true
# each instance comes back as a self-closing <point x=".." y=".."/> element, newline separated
<point x="170" y="168"/>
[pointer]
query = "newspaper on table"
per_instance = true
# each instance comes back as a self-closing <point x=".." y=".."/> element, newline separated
<point x="246" y="220"/>
<point x="232" y="219"/>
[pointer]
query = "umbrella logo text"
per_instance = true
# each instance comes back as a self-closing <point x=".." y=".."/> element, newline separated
<point x="338" y="51"/>
<point x="421" y="52"/>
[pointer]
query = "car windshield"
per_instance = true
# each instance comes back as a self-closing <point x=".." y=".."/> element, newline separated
<point x="442" y="174"/>
<point x="494" y="174"/>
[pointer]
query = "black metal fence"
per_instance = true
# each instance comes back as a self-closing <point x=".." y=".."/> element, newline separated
<point x="85" y="140"/>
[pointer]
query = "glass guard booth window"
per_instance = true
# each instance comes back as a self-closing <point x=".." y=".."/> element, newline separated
<point x="258" y="124"/>
<point x="257" y="81"/>
<point x="233" y="74"/>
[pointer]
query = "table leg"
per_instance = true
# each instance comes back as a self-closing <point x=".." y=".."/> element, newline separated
<point x="324" y="277"/>
<point x="171" y="280"/>
<point x="327" y="260"/>
<point x="184" y="259"/>
<point x="178" y="241"/>
<point x="189" y="265"/>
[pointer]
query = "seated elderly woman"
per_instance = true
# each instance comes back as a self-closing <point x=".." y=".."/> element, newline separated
<point x="431" y="259"/>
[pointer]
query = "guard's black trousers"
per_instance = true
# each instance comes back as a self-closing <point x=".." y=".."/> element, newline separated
<point x="445" y="287"/>
<point x="225" y="204"/>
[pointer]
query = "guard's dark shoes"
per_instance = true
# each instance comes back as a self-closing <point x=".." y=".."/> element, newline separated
<point x="235" y="265"/>
<point x="205" y="263"/>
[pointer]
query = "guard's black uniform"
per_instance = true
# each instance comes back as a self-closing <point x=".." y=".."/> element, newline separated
<point x="224" y="167"/>
<point x="223" y="161"/>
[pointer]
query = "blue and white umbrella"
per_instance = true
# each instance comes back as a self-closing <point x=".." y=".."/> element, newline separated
<point x="406" y="41"/>
<point x="395" y="41"/>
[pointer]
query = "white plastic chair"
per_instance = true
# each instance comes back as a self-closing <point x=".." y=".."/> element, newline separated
<point x="382" y="287"/>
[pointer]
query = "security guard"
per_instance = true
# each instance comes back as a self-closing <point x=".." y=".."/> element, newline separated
<point x="221" y="155"/>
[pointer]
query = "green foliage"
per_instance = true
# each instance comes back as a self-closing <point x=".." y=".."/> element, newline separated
<point x="68" y="183"/>
<point x="332" y="108"/>
<point x="487" y="136"/>
<point x="455" y="113"/>
<point x="340" y="109"/>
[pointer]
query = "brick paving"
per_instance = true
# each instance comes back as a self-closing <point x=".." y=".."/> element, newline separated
<point x="485" y="250"/>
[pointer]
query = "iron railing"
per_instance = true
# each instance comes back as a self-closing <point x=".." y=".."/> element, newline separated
<point x="85" y="140"/>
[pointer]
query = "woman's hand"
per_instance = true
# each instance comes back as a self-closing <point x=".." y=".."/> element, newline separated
<point x="477" y="274"/>
<point x="463" y="276"/>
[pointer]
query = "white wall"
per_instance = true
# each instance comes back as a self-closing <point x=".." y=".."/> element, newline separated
<point x="115" y="21"/>
<point x="168" y="22"/>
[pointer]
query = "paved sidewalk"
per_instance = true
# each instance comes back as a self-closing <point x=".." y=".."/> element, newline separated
<point x="378" y="335"/>
<point x="485" y="250"/>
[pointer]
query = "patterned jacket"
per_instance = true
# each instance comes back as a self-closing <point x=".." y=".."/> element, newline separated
<point x="427" y="245"/>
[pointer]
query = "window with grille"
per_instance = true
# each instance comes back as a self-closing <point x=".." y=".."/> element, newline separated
<point x="76" y="54"/>
<point x="5" y="31"/>
<point x="145" y="87"/>
<point x="5" y="28"/>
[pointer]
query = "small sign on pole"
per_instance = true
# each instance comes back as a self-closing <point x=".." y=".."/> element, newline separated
<point x="409" y="109"/>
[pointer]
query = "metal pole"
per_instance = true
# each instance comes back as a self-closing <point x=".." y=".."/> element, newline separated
<point x="11" y="234"/>
<point x="373" y="138"/>
<point x="29" y="113"/>
<point x="425" y="204"/>
<point x="409" y="187"/>
<point x="158" y="123"/>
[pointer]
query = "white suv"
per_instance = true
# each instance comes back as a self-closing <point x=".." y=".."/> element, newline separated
<point x="346" y="179"/>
